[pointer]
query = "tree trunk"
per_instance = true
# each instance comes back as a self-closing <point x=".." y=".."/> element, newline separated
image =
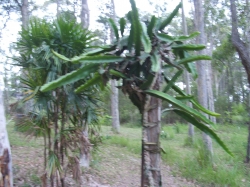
<point x="62" y="137"/>
<point x="114" y="90"/>
<point x="201" y="69"/>
<point x="85" y="144"/>
<point x="85" y="14"/>
<point x="209" y="84"/>
<point x="115" y="107"/>
<point x="186" y="75"/>
<point x="248" y="146"/>
<point x="151" y="127"/>
<point x="56" y="131"/>
<point x="58" y="7"/>
<point x="247" y="32"/>
<point x="25" y="13"/>
<point x="85" y="149"/>
<point x="244" y="54"/>
<point x="6" y="176"/>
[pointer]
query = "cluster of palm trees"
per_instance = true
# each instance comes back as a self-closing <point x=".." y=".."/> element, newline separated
<point x="59" y="116"/>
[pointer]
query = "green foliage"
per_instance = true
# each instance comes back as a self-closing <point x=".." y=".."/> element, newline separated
<point x="167" y="135"/>
<point x="53" y="163"/>
<point x="145" y="39"/>
<point x="238" y="115"/>
<point x="191" y="36"/>
<point x="96" y="78"/>
<point x="165" y="37"/>
<point x="105" y="120"/>
<point x="178" y="104"/>
<point x="225" y="171"/>
<point x="17" y="139"/>
<point x="186" y="161"/>
<point x="151" y="26"/>
<point x="191" y="47"/>
<point x="117" y="74"/>
<point x="114" y="28"/>
<point x="155" y="59"/>
<point x="193" y="101"/>
<point x="172" y="81"/>
<point x="87" y="58"/>
<point x="122" y="22"/>
<point x="131" y="145"/>
<point x="191" y="116"/>
<point x="193" y="58"/>
<point x="85" y="69"/>
<point x="138" y="69"/>
<point x="170" y="17"/>
<point x="58" y="116"/>
<point x="70" y="78"/>
<point x="136" y="29"/>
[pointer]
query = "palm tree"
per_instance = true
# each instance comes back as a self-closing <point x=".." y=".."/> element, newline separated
<point x="60" y="112"/>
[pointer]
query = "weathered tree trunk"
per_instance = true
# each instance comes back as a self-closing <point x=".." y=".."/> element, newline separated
<point x="151" y="127"/>
<point x="186" y="75"/>
<point x="244" y="54"/>
<point x="85" y="14"/>
<point x="85" y="149"/>
<point x="114" y="90"/>
<point x="115" y="107"/>
<point x="201" y="69"/>
<point x="6" y="177"/>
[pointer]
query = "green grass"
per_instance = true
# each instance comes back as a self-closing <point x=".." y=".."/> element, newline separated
<point x="129" y="138"/>
<point x="19" y="139"/>
<point x="188" y="159"/>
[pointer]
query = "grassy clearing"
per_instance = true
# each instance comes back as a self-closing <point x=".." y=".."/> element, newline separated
<point x="129" y="138"/>
<point x="188" y="160"/>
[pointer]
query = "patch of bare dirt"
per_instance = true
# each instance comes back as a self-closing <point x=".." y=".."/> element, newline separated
<point x="118" y="168"/>
<point x="112" y="166"/>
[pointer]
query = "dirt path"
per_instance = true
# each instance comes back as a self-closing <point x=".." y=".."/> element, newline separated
<point x="118" y="168"/>
<point x="112" y="166"/>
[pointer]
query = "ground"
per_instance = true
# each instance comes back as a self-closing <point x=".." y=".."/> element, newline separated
<point x="112" y="166"/>
<point x="116" y="162"/>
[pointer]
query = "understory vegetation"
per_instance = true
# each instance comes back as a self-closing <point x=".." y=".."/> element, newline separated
<point x="185" y="160"/>
<point x="189" y="160"/>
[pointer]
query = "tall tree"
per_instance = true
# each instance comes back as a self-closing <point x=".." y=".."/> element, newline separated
<point x="243" y="50"/>
<point x="85" y="146"/>
<point x="209" y="84"/>
<point x="201" y="68"/>
<point x="24" y="7"/>
<point x="114" y="90"/>
<point x="85" y="14"/>
<point x="6" y="179"/>
<point x="186" y="74"/>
